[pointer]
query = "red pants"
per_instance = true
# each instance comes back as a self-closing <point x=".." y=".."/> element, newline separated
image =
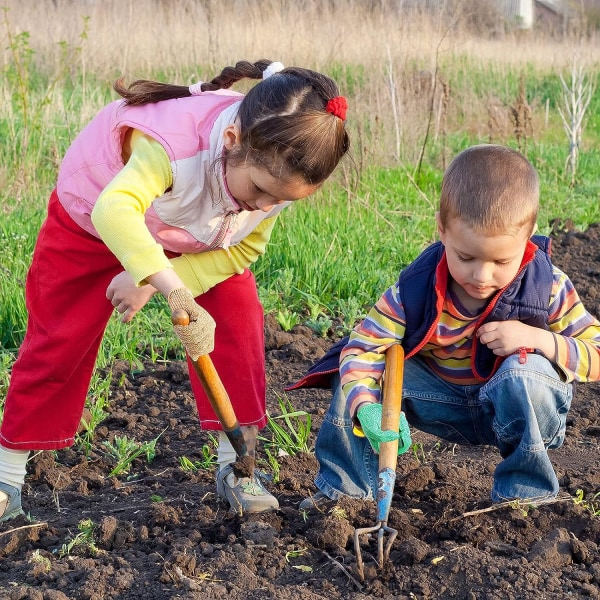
<point x="67" y="315"/>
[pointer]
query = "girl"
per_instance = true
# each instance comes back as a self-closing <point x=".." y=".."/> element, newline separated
<point x="180" y="187"/>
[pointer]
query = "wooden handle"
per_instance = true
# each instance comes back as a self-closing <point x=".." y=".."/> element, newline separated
<point x="391" y="404"/>
<point x="215" y="391"/>
<point x="180" y="317"/>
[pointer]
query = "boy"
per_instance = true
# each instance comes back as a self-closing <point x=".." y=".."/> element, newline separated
<point x="494" y="337"/>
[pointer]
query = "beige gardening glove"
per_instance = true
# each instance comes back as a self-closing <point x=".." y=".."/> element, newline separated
<point x="198" y="337"/>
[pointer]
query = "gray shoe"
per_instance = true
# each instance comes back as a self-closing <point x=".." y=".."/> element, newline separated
<point x="10" y="502"/>
<point x="318" y="501"/>
<point x="245" y="494"/>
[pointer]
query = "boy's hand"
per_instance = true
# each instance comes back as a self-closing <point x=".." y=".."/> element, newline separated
<point x="126" y="297"/>
<point x="504" y="337"/>
<point x="507" y="337"/>
<point x="369" y="416"/>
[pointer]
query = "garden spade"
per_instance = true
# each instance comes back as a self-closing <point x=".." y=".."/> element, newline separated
<point x="220" y="402"/>
<point x="388" y="458"/>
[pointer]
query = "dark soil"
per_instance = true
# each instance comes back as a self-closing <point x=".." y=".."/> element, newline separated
<point x="161" y="532"/>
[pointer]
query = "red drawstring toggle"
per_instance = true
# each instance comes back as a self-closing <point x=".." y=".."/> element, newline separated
<point x="337" y="106"/>
<point x="522" y="352"/>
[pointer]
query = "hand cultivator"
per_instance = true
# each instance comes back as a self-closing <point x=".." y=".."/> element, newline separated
<point x="388" y="458"/>
<point x="220" y="402"/>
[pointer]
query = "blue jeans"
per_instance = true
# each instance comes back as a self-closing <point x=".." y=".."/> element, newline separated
<point x="521" y="410"/>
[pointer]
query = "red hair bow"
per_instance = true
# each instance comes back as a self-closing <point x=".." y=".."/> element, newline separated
<point x="337" y="106"/>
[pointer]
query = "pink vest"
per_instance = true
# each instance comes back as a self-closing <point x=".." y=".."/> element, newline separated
<point x="198" y="213"/>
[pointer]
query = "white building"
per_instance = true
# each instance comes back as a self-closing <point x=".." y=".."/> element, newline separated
<point x="522" y="13"/>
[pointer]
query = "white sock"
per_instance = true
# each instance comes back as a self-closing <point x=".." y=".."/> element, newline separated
<point x="225" y="452"/>
<point x="13" y="466"/>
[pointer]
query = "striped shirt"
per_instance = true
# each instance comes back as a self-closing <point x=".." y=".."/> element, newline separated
<point x="448" y="351"/>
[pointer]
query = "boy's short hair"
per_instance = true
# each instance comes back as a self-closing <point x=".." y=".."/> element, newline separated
<point x="492" y="189"/>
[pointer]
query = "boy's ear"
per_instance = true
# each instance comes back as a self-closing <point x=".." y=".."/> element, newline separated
<point x="231" y="136"/>
<point x="440" y="227"/>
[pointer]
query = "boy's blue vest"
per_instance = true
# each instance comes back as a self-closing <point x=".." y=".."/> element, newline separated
<point x="422" y="289"/>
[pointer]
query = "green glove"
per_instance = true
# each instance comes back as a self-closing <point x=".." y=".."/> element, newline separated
<point x="369" y="416"/>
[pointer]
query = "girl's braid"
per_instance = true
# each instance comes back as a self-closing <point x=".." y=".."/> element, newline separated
<point x="230" y="75"/>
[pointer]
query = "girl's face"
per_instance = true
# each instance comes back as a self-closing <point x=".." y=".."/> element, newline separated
<point x="253" y="187"/>
<point x="481" y="264"/>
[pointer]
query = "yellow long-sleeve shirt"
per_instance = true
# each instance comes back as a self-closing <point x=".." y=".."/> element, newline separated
<point x="118" y="216"/>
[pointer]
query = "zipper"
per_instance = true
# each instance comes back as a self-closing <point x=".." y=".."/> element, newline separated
<point x="225" y="231"/>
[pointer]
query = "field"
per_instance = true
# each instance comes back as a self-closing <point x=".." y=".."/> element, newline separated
<point x="141" y="519"/>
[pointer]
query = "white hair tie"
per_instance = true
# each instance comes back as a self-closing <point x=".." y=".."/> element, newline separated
<point x="273" y="68"/>
<point x="196" y="88"/>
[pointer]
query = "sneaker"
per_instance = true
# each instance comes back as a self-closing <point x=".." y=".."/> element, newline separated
<point x="245" y="494"/>
<point x="10" y="502"/>
<point x="318" y="501"/>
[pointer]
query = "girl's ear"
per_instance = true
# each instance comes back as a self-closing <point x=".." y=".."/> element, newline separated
<point x="231" y="136"/>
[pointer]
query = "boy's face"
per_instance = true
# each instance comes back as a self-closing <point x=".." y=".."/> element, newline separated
<point x="481" y="264"/>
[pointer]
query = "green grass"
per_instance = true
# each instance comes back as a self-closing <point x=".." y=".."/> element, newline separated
<point x="18" y="232"/>
<point x="124" y="451"/>
<point x="290" y="430"/>
<point x="83" y="542"/>
<point x="342" y="246"/>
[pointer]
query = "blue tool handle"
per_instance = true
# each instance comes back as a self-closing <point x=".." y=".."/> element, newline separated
<point x="385" y="490"/>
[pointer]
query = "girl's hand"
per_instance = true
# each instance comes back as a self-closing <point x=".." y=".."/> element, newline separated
<point x="507" y="337"/>
<point x="126" y="297"/>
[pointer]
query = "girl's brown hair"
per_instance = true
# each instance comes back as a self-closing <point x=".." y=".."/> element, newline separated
<point x="283" y="122"/>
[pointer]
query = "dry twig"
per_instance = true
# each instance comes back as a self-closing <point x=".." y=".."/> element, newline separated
<point x="338" y="564"/>
<point x="513" y="503"/>
<point x="33" y="525"/>
<point x="576" y="99"/>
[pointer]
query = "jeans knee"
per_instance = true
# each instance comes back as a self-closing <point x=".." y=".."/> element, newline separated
<point x="534" y="422"/>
